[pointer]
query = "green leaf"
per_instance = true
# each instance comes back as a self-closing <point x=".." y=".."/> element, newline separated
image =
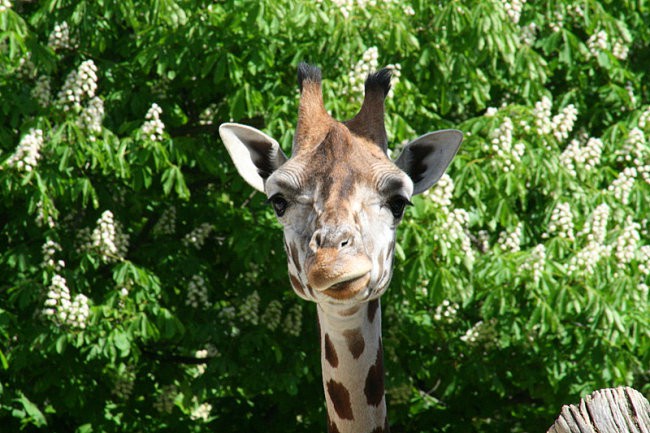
<point x="36" y="416"/>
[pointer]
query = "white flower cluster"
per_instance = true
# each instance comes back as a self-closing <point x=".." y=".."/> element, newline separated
<point x="272" y="315"/>
<point x="396" y="73"/>
<point x="201" y="412"/>
<point x="207" y="116"/>
<point x="542" y="113"/>
<point x="620" y="50"/>
<point x="60" y="37"/>
<point x="644" y="119"/>
<point x="400" y="394"/>
<point x="368" y="63"/>
<point x="28" y="151"/>
<point x="536" y="262"/>
<point x="598" y="42"/>
<point x="197" y="292"/>
<point x="454" y="222"/>
<point x="491" y="112"/>
<point x="591" y="153"/>
<point x="596" y="228"/>
<point x="588" y="156"/>
<point x="510" y="241"/>
<point x="596" y="231"/>
<point x="446" y="312"/>
<point x="108" y="239"/>
<point x="626" y="243"/>
<point x="561" y="223"/>
<point x="481" y="332"/>
<point x="58" y="299"/>
<point x="43" y="218"/>
<point x="408" y="10"/>
<point x="50" y="249"/>
<point x="26" y="68"/>
<point x="453" y="230"/>
<point x="529" y="33"/>
<point x="634" y="148"/>
<point x="503" y="147"/>
<point x="79" y="312"/>
<point x="227" y="313"/>
<point x="644" y="260"/>
<point x="42" y="91"/>
<point x="197" y="237"/>
<point x="483" y="237"/>
<point x="200" y="368"/>
<point x="586" y="259"/>
<point x="153" y="127"/>
<point x="556" y="25"/>
<point x="123" y="387"/>
<point x="293" y="321"/>
<point x="59" y="308"/>
<point x="248" y="310"/>
<point x="166" y="225"/>
<point x="562" y="123"/>
<point x="92" y="116"/>
<point x="423" y="288"/>
<point x="623" y="184"/>
<point x="165" y="399"/>
<point x="78" y="86"/>
<point x="5" y="5"/>
<point x="575" y="10"/>
<point x="442" y="191"/>
<point x="513" y="9"/>
<point x="346" y="7"/>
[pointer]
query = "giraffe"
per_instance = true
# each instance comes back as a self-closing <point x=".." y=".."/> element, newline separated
<point x="340" y="198"/>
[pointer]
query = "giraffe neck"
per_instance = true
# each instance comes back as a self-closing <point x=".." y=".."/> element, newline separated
<point x="352" y="365"/>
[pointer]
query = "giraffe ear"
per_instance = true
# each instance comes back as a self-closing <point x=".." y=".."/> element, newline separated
<point x="426" y="158"/>
<point x="255" y="154"/>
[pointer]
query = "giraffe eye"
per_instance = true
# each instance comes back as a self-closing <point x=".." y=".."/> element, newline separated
<point x="396" y="204"/>
<point x="279" y="204"/>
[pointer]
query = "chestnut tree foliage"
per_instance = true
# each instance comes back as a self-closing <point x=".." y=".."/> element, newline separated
<point x="143" y="284"/>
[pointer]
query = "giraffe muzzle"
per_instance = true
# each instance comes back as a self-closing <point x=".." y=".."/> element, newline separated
<point x="338" y="274"/>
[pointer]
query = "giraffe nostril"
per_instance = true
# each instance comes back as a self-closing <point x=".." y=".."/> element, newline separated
<point x="332" y="237"/>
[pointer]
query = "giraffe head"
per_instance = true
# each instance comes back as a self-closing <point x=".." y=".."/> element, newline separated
<point x="339" y="196"/>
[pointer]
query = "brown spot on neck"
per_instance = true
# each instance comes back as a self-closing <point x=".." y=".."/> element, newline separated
<point x="355" y="341"/>
<point x="374" y="388"/>
<point x="340" y="398"/>
<point x="372" y="309"/>
<point x="330" y="352"/>
<point x="350" y="311"/>
<point x="295" y="283"/>
<point x="295" y="258"/>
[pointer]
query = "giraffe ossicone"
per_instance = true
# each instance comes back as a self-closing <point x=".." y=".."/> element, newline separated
<point x="340" y="198"/>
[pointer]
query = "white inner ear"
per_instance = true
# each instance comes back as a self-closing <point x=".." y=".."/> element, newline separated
<point x="236" y="138"/>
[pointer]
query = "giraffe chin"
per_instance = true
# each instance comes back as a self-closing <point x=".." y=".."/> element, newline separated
<point x="346" y="290"/>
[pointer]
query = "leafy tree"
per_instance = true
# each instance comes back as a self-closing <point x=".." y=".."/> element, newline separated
<point x="144" y="287"/>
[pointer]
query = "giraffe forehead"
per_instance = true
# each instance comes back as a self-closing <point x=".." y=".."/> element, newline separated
<point x="338" y="167"/>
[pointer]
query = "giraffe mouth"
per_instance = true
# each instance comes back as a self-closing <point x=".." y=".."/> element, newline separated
<point x="339" y="276"/>
<point x="349" y="288"/>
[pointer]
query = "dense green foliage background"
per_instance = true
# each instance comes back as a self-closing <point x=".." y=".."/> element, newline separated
<point x="143" y="285"/>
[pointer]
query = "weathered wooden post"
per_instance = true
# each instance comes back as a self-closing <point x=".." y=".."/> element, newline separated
<point x="611" y="410"/>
